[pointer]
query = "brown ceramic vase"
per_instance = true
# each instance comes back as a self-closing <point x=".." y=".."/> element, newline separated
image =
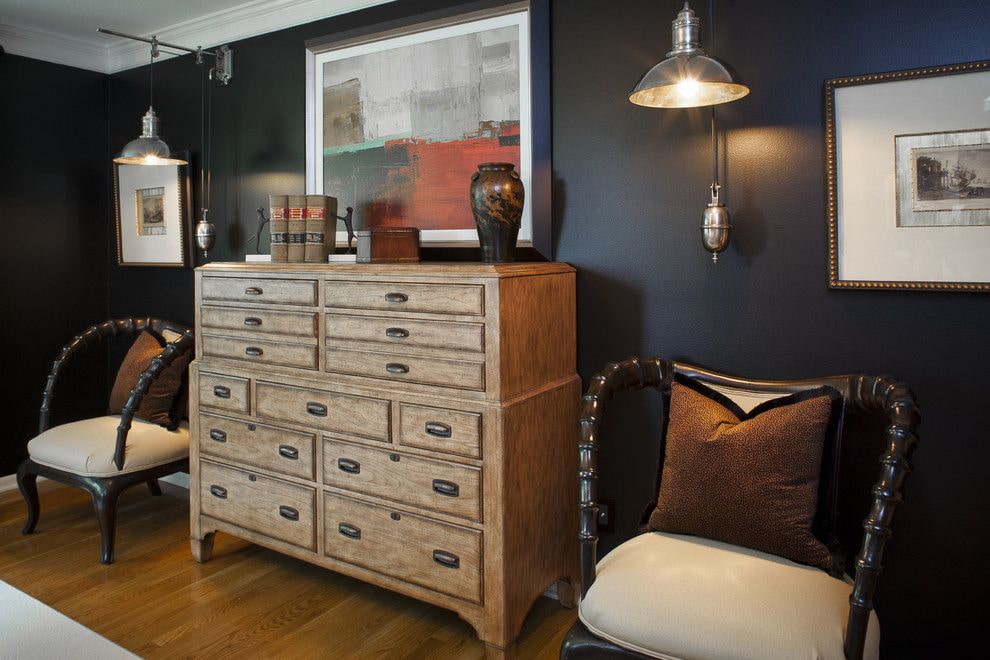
<point x="497" y="198"/>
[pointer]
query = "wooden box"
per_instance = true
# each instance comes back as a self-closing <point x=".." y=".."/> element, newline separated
<point x="387" y="245"/>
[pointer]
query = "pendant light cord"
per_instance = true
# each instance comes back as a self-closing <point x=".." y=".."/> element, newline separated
<point x="711" y="40"/>
<point x="209" y="141"/>
<point x="202" y="139"/>
<point x="151" y="74"/>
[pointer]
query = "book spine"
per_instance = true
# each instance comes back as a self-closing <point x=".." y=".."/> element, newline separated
<point x="316" y="225"/>
<point x="279" y="225"/>
<point x="297" y="229"/>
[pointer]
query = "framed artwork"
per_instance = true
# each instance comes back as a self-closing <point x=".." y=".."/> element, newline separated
<point x="397" y="122"/>
<point x="908" y="176"/>
<point x="154" y="220"/>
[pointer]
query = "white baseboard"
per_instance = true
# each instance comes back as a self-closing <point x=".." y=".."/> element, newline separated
<point x="9" y="482"/>
<point x="180" y="479"/>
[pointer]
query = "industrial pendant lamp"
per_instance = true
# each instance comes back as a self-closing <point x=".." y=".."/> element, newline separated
<point x="148" y="148"/>
<point x="689" y="78"/>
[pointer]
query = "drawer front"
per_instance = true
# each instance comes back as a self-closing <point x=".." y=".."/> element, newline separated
<point x="408" y="368"/>
<point x="268" y="506"/>
<point x="245" y="319"/>
<point x="402" y="297"/>
<point x="262" y="351"/>
<point x="329" y="411"/>
<point x="258" y="445"/>
<point x="439" y="429"/>
<point x="436" y="485"/>
<point x="223" y="392"/>
<point x="260" y="290"/>
<point x="399" y="332"/>
<point x="438" y="556"/>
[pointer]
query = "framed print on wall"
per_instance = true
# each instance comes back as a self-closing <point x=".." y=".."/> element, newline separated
<point x="397" y="122"/>
<point x="908" y="175"/>
<point x="154" y="219"/>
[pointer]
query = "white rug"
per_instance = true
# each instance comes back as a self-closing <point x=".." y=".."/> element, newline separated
<point x="30" y="630"/>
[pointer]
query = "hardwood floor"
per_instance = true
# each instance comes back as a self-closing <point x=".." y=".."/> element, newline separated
<point x="247" y="602"/>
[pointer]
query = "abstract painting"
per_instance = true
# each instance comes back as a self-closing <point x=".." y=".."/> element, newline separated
<point x="401" y="123"/>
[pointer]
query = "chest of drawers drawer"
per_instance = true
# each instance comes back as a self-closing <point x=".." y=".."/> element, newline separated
<point x="398" y="332"/>
<point x="438" y="556"/>
<point x="260" y="290"/>
<point x="467" y="299"/>
<point x="253" y="321"/>
<point x="436" y="485"/>
<point x="223" y="392"/>
<point x="262" y="351"/>
<point x="262" y="504"/>
<point x="440" y="429"/>
<point x="464" y="374"/>
<point x="328" y="411"/>
<point x="257" y="445"/>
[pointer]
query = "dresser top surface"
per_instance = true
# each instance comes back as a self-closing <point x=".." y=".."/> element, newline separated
<point x="431" y="269"/>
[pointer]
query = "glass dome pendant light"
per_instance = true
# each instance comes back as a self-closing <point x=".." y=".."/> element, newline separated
<point x="148" y="148"/>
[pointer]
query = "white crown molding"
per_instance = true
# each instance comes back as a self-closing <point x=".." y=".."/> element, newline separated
<point x="54" y="47"/>
<point x="113" y="54"/>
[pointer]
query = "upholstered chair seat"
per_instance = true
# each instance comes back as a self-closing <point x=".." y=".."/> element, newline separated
<point x="675" y="596"/>
<point x="87" y="447"/>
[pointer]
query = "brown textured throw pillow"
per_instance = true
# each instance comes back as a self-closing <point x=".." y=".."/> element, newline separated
<point x="747" y="479"/>
<point x="157" y="406"/>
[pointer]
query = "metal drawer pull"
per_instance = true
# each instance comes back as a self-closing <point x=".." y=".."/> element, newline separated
<point x="396" y="333"/>
<point x="288" y="513"/>
<point x="218" y="491"/>
<point x="350" y="531"/>
<point x="253" y="351"/>
<point x="438" y="429"/>
<point x="396" y="368"/>
<point x="317" y="409"/>
<point x="253" y="291"/>
<point x="252" y="320"/>
<point x="218" y="435"/>
<point x="349" y="466"/>
<point x="289" y="452"/>
<point x="396" y="297"/>
<point x="221" y="391"/>
<point x="448" y="488"/>
<point x="448" y="559"/>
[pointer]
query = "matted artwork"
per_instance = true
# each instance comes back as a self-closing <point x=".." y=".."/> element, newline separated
<point x="908" y="165"/>
<point x="399" y="122"/>
<point x="152" y="212"/>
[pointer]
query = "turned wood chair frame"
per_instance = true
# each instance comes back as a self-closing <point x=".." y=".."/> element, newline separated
<point x="860" y="393"/>
<point x="105" y="490"/>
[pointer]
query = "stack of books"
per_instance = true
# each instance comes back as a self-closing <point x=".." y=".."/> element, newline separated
<point x="303" y="227"/>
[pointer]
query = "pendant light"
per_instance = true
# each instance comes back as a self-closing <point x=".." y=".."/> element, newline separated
<point x="148" y="148"/>
<point x="689" y="78"/>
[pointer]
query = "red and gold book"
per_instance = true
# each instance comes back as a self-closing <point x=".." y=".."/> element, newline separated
<point x="321" y="223"/>
<point x="297" y="229"/>
<point x="279" y="214"/>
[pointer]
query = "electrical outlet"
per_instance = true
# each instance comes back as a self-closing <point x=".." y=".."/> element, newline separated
<point x="606" y="514"/>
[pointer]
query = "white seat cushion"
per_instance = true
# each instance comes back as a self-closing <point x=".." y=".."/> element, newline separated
<point x="673" y="596"/>
<point x="86" y="447"/>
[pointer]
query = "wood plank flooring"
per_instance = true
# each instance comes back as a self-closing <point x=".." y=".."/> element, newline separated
<point x="247" y="602"/>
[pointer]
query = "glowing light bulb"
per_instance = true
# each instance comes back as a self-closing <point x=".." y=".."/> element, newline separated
<point x="688" y="88"/>
<point x="151" y="159"/>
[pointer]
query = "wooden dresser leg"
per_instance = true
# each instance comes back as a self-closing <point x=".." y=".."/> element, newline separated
<point x="493" y="652"/>
<point x="202" y="549"/>
<point x="566" y="592"/>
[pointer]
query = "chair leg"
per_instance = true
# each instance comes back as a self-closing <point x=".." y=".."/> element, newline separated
<point x="154" y="487"/>
<point x="105" y="503"/>
<point x="27" y="482"/>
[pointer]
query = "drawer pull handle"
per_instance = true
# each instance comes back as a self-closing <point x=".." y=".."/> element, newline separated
<point x="396" y="333"/>
<point x="288" y="513"/>
<point x="317" y="409"/>
<point x="253" y="351"/>
<point x="438" y="429"/>
<point x="350" y="531"/>
<point x="253" y="291"/>
<point x="252" y="321"/>
<point x="289" y="452"/>
<point x="218" y="435"/>
<point x="448" y="488"/>
<point x="218" y="491"/>
<point x="396" y="297"/>
<point x="396" y="368"/>
<point x="349" y="466"/>
<point x="448" y="559"/>
<point x="221" y="391"/>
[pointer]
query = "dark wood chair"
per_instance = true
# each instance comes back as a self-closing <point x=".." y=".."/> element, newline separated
<point x="849" y="629"/>
<point x="92" y="455"/>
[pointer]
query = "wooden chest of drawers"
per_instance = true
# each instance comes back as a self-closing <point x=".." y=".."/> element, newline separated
<point x="408" y="425"/>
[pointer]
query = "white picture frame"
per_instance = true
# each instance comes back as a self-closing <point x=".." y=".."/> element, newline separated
<point x="152" y="214"/>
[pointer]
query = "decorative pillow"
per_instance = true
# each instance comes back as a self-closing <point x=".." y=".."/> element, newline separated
<point x="750" y="479"/>
<point x="159" y="404"/>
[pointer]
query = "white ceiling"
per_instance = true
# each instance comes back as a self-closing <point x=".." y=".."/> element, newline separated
<point x="64" y="31"/>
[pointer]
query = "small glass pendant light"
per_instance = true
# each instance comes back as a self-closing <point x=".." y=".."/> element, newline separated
<point x="148" y="148"/>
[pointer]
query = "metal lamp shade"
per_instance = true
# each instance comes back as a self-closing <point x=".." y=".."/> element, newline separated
<point x="687" y="81"/>
<point x="148" y="148"/>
